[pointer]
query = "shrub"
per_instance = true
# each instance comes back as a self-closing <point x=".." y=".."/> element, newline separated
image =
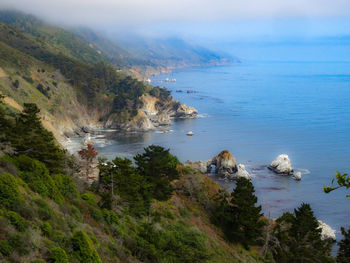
<point x="174" y="243"/>
<point x="76" y="214"/>
<point x="17" y="221"/>
<point x="58" y="255"/>
<point x="9" y="192"/>
<point x="37" y="176"/>
<point x="18" y="243"/>
<point x="45" y="212"/>
<point x="89" y="198"/>
<point x="46" y="228"/>
<point x="15" y="84"/>
<point x="110" y="217"/>
<point x="66" y="186"/>
<point x="83" y="249"/>
<point x="5" y="248"/>
<point x="97" y="215"/>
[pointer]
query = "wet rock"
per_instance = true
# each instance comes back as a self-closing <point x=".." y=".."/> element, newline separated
<point x="281" y="165"/>
<point x="241" y="172"/>
<point x="297" y="176"/>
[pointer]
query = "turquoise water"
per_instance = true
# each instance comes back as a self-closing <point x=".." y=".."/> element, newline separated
<point x="258" y="110"/>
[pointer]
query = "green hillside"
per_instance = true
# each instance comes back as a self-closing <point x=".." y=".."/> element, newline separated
<point x="66" y="87"/>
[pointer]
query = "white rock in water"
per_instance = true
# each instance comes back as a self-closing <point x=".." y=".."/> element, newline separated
<point x="297" y="176"/>
<point x="281" y="165"/>
<point x="327" y="232"/>
<point x="241" y="172"/>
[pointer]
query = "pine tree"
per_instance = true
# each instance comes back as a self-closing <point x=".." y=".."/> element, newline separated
<point x="343" y="255"/>
<point x="246" y="223"/>
<point x="120" y="178"/>
<point x="30" y="138"/>
<point x="159" y="167"/>
<point x="306" y="234"/>
<point x="300" y="238"/>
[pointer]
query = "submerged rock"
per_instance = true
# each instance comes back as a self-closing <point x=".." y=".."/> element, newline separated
<point x="297" y="176"/>
<point x="281" y="165"/>
<point x="327" y="232"/>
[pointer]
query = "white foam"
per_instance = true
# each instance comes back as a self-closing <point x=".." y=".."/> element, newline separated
<point x="303" y="170"/>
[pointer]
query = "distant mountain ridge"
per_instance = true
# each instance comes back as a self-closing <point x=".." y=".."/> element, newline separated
<point x="140" y="56"/>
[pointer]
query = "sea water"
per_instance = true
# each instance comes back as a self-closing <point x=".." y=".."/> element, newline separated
<point x="258" y="110"/>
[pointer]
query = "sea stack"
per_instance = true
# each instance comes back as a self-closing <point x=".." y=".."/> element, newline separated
<point x="281" y="165"/>
<point x="225" y="163"/>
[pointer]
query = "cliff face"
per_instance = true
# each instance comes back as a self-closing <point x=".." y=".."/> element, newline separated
<point x="153" y="113"/>
<point x="65" y="115"/>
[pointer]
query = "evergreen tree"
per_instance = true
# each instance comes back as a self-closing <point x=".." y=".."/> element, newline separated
<point x="119" y="177"/>
<point x="159" y="168"/>
<point x="246" y="224"/>
<point x="30" y="138"/>
<point x="300" y="238"/>
<point x="343" y="255"/>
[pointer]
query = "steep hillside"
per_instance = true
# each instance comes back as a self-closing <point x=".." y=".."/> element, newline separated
<point x="72" y="93"/>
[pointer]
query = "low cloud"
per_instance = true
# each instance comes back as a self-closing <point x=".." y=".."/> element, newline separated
<point x="134" y="12"/>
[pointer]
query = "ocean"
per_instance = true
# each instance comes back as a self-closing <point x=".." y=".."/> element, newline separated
<point x="258" y="110"/>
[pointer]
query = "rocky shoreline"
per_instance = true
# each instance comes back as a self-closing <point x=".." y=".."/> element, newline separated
<point x="153" y="114"/>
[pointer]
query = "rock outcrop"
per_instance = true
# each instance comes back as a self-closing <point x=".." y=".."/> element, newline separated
<point x="327" y="232"/>
<point x="281" y="165"/>
<point x="223" y="164"/>
<point x="184" y="111"/>
<point x="201" y="166"/>
<point x="154" y="112"/>
<point x="241" y="172"/>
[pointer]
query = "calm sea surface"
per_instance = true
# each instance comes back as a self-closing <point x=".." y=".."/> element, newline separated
<point x="258" y="110"/>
